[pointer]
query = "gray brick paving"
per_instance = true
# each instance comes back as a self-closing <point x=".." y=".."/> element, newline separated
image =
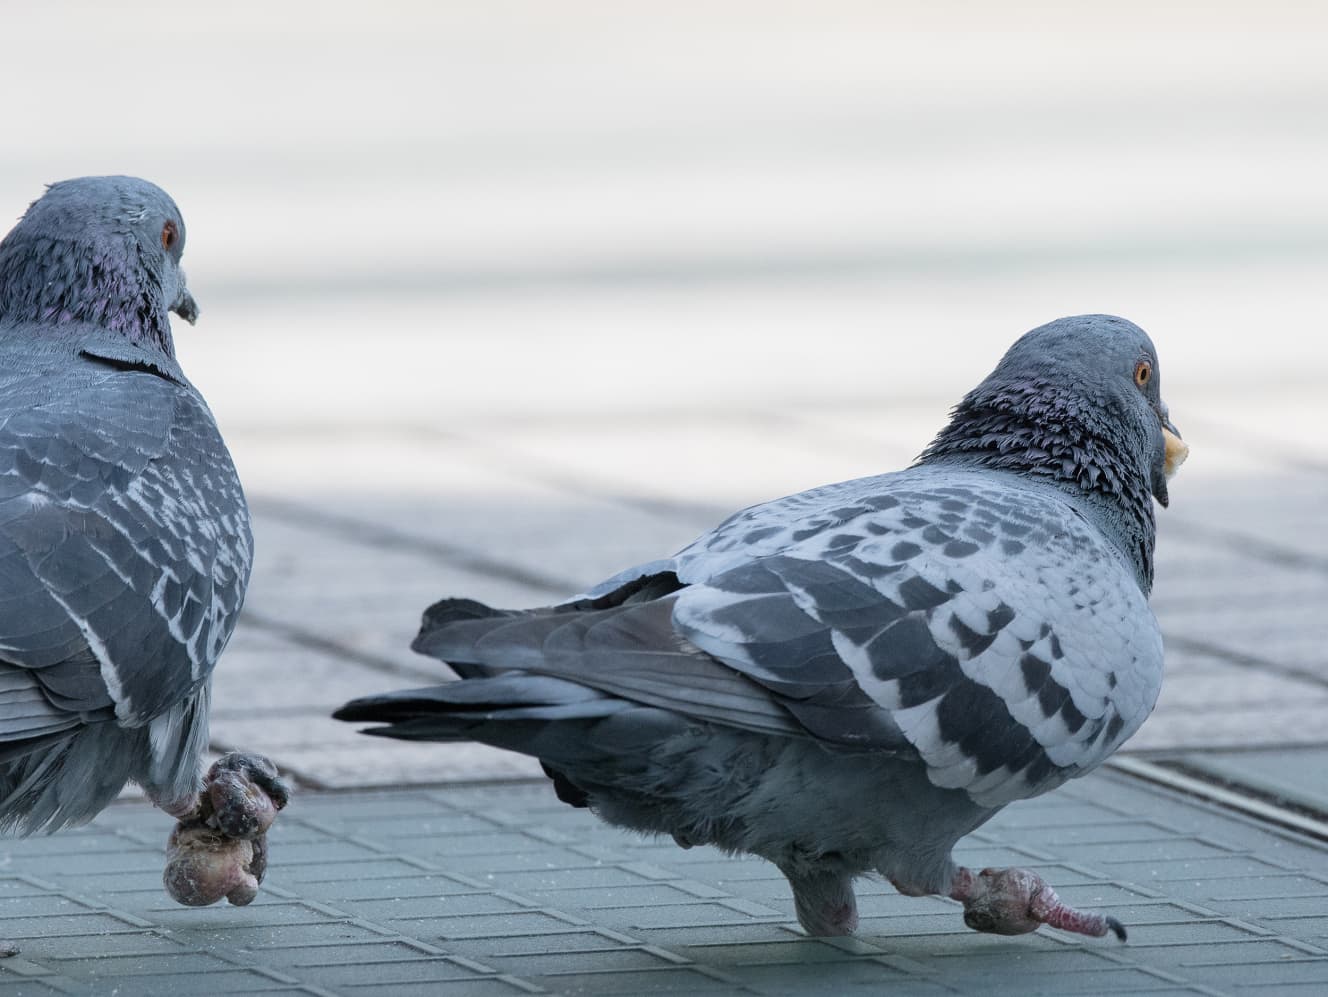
<point x="1298" y="777"/>
<point x="499" y="889"/>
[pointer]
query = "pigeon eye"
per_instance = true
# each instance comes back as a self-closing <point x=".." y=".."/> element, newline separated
<point x="169" y="235"/>
<point x="1143" y="373"/>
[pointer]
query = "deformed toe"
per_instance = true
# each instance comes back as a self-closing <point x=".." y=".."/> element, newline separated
<point x="243" y="795"/>
<point x="1017" y="901"/>
<point x="203" y="865"/>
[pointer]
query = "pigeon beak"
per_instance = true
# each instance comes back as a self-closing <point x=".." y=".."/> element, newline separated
<point x="185" y="306"/>
<point x="1174" y="452"/>
<point x="1176" y="448"/>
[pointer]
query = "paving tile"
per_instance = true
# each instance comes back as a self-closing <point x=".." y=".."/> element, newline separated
<point x="1080" y="980"/>
<point x="368" y="971"/>
<point x="1299" y="775"/>
<point x="471" y="987"/>
<point x="30" y="988"/>
<point x="1225" y="973"/>
<point x="221" y="981"/>
<point x="178" y="961"/>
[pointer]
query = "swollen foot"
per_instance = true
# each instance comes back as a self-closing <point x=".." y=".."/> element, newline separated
<point x="1016" y="901"/>
<point x="220" y="848"/>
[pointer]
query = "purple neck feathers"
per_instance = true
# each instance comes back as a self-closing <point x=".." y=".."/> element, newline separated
<point x="56" y="282"/>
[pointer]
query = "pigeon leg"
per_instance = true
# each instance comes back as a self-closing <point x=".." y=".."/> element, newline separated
<point x="824" y="901"/>
<point x="181" y="809"/>
<point x="908" y="889"/>
<point x="1016" y="901"/>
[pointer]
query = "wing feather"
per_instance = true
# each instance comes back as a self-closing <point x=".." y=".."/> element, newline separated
<point x="985" y="626"/>
<point x="124" y="537"/>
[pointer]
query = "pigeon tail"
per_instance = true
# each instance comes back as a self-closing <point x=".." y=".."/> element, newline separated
<point x="441" y="617"/>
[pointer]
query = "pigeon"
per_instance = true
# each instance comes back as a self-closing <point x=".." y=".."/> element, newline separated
<point x="848" y="680"/>
<point x="125" y="544"/>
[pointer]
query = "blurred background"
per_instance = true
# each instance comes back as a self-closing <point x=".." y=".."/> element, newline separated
<point x="500" y="297"/>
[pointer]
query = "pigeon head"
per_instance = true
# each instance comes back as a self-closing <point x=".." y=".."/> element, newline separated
<point x="103" y="251"/>
<point x="1077" y="401"/>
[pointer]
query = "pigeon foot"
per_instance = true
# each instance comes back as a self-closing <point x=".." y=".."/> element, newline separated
<point x="242" y="795"/>
<point x="204" y="865"/>
<point x="1017" y="901"/>
<point x="220" y="848"/>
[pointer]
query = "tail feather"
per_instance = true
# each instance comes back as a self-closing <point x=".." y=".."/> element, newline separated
<point x="448" y="611"/>
<point x="510" y="695"/>
<point x="511" y="710"/>
<point x="580" y="735"/>
<point x="595" y="689"/>
<point x="66" y="781"/>
<point x="441" y="617"/>
<point x="451" y="627"/>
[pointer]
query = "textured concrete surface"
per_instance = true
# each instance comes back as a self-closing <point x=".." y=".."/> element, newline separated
<point x="501" y="889"/>
<point x="499" y="298"/>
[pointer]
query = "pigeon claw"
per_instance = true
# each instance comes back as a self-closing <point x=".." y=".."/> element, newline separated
<point x="1017" y="901"/>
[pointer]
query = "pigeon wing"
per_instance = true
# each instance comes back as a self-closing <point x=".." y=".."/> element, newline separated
<point x="990" y="630"/>
<point x="124" y="538"/>
<point x="630" y="651"/>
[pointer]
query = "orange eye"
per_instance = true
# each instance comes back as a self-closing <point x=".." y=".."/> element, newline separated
<point x="1143" y="373"/>
<point x="169" y="233"/>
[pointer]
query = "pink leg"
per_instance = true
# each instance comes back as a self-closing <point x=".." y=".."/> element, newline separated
<point x="179" y="809"/>
<point x="907" y="889"/>
<point x="1016" y="901"/>
<point x="824" y="901"/>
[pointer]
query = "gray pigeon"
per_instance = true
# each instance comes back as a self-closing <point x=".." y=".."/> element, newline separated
<point x="850" y="679"/>
<point x="124" y="536"/>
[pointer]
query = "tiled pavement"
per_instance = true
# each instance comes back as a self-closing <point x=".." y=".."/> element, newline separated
<point x="500" y="889"/>
<point x="498" y="298"/>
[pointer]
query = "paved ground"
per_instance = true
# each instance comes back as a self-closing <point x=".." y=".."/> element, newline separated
<point x="502" y="890"/>
<point x="498" y="298"/>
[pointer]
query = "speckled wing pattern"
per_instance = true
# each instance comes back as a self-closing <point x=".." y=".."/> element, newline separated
<point x="984" y="626"/>
<point x="125" y="543"/>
